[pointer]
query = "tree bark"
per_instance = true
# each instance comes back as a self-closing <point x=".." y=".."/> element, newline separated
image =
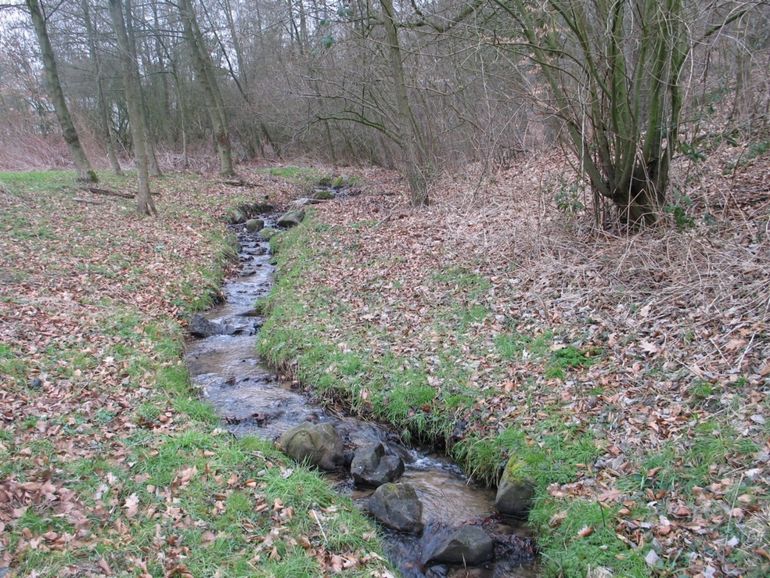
<point x="214" y="101"/>
<point x="145" y="204"/>
<point x="82" y="165"/>
<point x="181" y="114"/>
<point x="149" y="141"/>
<point x="415" y="165"/>
<point x="104" y="115"/>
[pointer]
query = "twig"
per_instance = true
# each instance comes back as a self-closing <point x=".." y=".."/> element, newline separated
<point x="88" y="201"/>
<point x="240" y="183"/>
<point x="110" y="193"/>
<point x="320" y="526"/>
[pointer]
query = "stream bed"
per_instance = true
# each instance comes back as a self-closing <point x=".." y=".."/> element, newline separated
<point x="252" y="400"/>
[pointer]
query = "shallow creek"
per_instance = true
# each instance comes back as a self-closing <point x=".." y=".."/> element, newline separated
<point x="252" y="400"/>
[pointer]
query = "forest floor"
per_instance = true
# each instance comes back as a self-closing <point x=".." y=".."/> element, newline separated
<point x="109" y="464"/>
<point x="629" y="373"/>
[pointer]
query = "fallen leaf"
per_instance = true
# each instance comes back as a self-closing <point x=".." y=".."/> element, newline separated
<point x="557" y="519"/>
<point x="131" y="505"/>
<point x="652" y="559"/>
<point x="649" y="347"/>
<point x="184" y="476"/>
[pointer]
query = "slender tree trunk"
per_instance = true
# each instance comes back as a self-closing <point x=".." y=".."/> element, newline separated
<point x="242" y="74"/>
<point x="411" y="141"/>
<point x="214" y="101"/>
<point x="314" y="83"/>
<point x="104" y="115"/>
<point x="149" y="141"/>
<point x="145" y="204"/>
<point x="182" y="115"/>
<point x="161" y="71"/>
<point x="82" y="165"/>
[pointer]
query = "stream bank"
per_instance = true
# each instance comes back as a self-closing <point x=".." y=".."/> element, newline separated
<point x="456" y="520"/>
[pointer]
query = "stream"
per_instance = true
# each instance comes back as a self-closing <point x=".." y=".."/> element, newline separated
<point x="252" y="400"/>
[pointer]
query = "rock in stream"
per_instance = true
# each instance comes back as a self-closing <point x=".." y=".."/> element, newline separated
<point x="318" y="444"/>
<point x="467" y="545"/>
<point x="397" y="506"/>
<point x="372" y="466"/>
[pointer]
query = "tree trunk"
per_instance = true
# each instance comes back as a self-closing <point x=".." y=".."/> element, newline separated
<point x="412" y="147"/>
<point x="182" y="115"/>
<point x="149" y="141"/>
<point x="145" y="204"/>
<point x="104" y="115"/>
<point x="242" y="74"/>
<point x="82" y="165"/>
<point x="214" y="101"/>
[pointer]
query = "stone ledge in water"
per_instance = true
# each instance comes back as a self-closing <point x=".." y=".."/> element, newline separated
<point x="319" y="444"/>
<point x="292" y="218"/>
<point x="466" y="545"/>
<point x="268" y="233"/>
<point x="255" y="225"/>
<point x="515" y="491"/>
<point x="245" y="211"/>
<point x="323" y="195"/>
<point x="372" y="466"/>
<point x="201" y="327"/>
<point x="398" y="507"/>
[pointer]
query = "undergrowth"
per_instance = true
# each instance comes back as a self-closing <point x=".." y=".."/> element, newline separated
<point x="307" y="335"/>
<point x="112" y="464"/>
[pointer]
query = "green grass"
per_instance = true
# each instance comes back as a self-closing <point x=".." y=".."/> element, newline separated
<point x="142" y="429"/>
<point x="514" y="345"/>
<point x="36" y="181"/>
<point x="558" y="361"/>
<point x="304" y="176"/>
<point x="12" y="364"/>
<point x="399" y="389"/>
<point x="568" y="358"/>
<point x="424" y="396"/>
<point x="566" y="553"/>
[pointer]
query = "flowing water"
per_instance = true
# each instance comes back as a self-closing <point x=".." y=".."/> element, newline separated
<point x="252" y="400"/>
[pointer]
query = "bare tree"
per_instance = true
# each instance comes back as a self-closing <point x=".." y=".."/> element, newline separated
<point x="614" y="74"/>
<point x="82" y="164"/>
<point x="145" y="204"/>
<point x="205" y="72"/>
<point x="104" y="114"/>
<point x="411" y="139"/>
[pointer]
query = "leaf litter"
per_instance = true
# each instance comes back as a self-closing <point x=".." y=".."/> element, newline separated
<point x="90" y="305"/>
<point x="656" y="343"/>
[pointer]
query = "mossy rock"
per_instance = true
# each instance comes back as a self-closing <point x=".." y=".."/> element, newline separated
<point x="466" y="545"/>
<point x="268" y="233"/>
<point x="323" y="195"/>
<point x="292" y="218"/>
<point x="515" y="491"/>
<point x="397" y="506"/>
<point x="236" y="217"/>
<point x="373" y="466"/>
<point x="254" y="225"/>
<point x="318" y="444"/>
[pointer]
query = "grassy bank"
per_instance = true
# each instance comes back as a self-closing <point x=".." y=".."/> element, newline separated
<point x="442" y="323"/>
<point x="109" y="463"/>
<point x="308" y="335"/>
